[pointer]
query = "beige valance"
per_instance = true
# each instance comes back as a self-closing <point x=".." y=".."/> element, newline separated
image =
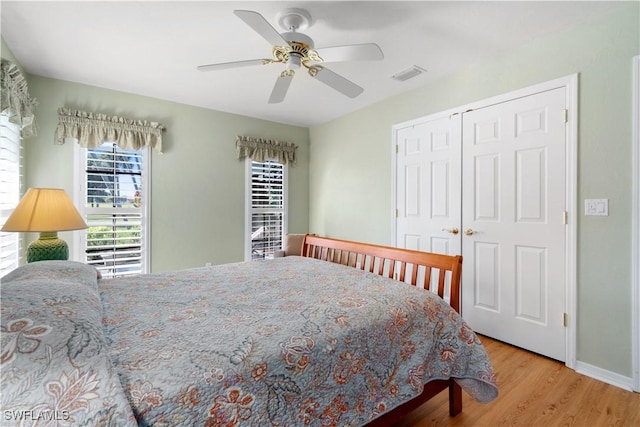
<point x="262" y="150"/>
<point x="15" y="100"/>
<point x="93" y="129"/>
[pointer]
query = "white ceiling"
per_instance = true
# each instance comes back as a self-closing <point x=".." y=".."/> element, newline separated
<point x="152" y="48"/>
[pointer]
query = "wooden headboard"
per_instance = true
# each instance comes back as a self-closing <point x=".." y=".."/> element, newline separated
<point x="435" y="272"/>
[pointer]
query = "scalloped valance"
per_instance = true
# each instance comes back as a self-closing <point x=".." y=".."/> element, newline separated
<point x="15" y="100"/>
<point x="91" y="130"/>
<point x="262" y="150"/>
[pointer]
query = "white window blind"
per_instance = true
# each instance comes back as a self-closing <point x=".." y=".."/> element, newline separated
<point x="115" y="189"/>
<point x="10" y="183"/>
<point x="267" y="197"/>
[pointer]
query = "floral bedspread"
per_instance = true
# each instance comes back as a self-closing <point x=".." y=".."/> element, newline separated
<point x="290" y="341"/>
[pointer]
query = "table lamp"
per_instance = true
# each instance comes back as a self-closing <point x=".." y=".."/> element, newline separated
<point x="45" y="210"/>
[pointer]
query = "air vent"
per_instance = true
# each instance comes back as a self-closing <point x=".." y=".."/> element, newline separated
<point x="408" y="73"/>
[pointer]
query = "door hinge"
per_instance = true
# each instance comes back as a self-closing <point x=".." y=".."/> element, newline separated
<point x="565" y="217"/>
<point x="566" y="115"/>
<point x="565" y="319"/>
<point x="397" y="213"/>
<point x="397" y="148"/>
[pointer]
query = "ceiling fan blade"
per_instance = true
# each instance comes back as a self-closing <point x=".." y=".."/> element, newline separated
<point x="235" y="64"/>
<point x="281" y="87"/>
<point x="336" y="81"/>
<point x="354" y="52"/>
<point x="261" y="26"/>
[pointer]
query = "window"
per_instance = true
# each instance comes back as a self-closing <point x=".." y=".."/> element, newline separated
<point x="267" y="208"/>
<point x="10" y="184"/>
<point x="114" y="199"/>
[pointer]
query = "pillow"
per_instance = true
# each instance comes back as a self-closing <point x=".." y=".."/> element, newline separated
<point x="66" y="271"/>
<point x="54" y="355"/>
<point x="293" y="245"/>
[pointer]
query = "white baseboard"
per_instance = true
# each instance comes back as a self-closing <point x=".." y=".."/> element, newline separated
<point x="605" y="376"/>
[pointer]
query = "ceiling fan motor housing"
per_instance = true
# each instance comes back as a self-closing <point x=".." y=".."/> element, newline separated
<point x="299" y="47"/>
<point x="292" y="20"/>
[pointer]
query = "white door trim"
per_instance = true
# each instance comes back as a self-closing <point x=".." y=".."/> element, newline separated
<point x="635" y="227"/>
<point x="570" y="83"/>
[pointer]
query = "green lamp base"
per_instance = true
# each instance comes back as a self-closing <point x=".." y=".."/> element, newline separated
<point x="47" y="247"/>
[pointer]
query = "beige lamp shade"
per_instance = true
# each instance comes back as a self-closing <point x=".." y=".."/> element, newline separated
<point x="45" y="210"/>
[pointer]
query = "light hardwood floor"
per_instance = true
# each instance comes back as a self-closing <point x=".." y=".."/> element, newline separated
<point x="535" y="391"/>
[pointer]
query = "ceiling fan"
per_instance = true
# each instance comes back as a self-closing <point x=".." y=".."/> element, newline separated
<point x="296" y="49"/>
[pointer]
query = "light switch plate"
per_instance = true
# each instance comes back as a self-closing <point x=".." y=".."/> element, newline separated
<point x="598" y="207"/>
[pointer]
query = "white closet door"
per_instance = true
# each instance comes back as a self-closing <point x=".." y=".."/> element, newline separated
<point x="513" y="283"/>
<point x="428" y="185"/>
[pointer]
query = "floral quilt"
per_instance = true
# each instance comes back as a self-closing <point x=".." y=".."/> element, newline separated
<point x="291" y="341"/>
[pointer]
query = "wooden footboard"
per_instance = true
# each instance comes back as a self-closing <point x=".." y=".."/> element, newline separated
<point x="435" y="272"/>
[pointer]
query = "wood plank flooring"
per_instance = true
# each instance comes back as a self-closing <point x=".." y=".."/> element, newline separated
<point x="534" y="391"/>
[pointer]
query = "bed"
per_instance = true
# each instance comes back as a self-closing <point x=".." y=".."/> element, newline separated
<point x="327" y="338"/>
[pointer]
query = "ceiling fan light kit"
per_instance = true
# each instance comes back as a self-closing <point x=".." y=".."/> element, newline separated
<point x="295" y="49"/>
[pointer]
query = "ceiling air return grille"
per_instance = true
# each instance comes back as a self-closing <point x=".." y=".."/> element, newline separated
<point x="408" y="73"/>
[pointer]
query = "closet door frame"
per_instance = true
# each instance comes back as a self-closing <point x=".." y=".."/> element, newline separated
<point x="570" y="83"/>
<point x="635" y="244"/>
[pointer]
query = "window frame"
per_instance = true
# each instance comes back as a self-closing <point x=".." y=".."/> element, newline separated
<point x="249" y="210"/>
<point x="14" y="129"/>
<point x="80" y="181"/>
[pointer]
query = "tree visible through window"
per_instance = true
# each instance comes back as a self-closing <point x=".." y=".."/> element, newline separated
<point x="114" y="200"/>
<point x="267" y="208"/>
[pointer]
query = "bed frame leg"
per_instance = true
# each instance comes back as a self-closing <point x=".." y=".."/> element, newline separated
<point x="455" y="398"/>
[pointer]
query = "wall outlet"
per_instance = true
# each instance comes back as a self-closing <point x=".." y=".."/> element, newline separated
<point x="598" y="207"/>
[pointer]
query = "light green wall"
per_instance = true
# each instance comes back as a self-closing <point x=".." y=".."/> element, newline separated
<point x="350" y="169"/>
<point x="198" y="185"/>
